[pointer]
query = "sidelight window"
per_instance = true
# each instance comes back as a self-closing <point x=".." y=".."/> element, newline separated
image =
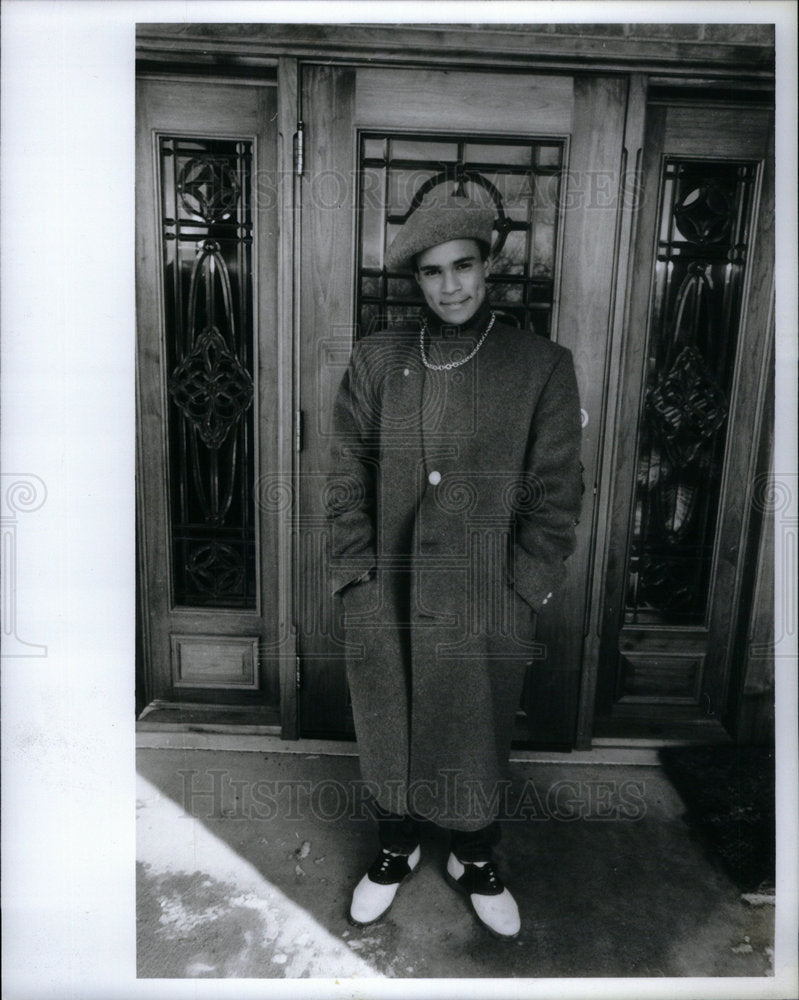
<point x="206" y="244"/>
<point x="702" y="250"/>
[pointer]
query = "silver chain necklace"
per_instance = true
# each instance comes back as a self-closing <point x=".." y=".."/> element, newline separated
<point x="451" y="364"/>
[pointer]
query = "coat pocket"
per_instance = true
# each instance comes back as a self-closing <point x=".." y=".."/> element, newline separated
<point x="360" y="601"/>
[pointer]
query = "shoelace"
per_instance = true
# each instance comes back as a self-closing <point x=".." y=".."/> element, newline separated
<point x="486" y="866"/>
<point x="487" y="870"/>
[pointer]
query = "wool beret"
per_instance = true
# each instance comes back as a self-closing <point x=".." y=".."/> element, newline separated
<point x="438" y="222"/>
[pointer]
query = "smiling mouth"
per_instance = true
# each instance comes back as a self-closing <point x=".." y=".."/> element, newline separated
<point x="452" y="305"/>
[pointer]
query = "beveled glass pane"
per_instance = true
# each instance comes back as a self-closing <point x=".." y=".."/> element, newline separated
<point x="167" y="193"/>
<point x="391" y="232"/>
<point x="550" y="156"/>
<point x="373" y="188"/>
<point x="506" y="155"/>
<point x="511" y="258"/>
<point x="423" y="150"/>
<point x="207" y="183"/>
<point x="374" y="149"/>
<point x="373" y="318"/>
<point x="372" y="215"/>
<point x="543" y="256"/>
<point x="518" y="212"/>
<point x="402" y="288"/>
<point x="505" y="292"/>
<point x="403" y="185"/>
<point x="546" y="197"/>
<point x="517" y="191"/>
<point x="403" y="317"/>
<point x="666" y="229"/>
<point x="481" y="193"/>
<point x="370" y="286"/>
<point x="539" y="292"/>
<point x="544" y="221"/>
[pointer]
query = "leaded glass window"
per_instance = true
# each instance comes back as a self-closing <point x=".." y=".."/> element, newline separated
<point x="702" y="250"/>
<point x="206" y="240"/>
<point x="520" y="179"/>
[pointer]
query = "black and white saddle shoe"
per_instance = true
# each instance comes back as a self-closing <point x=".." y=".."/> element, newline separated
<point x="491" y="901"/>
<point x="375" y="893"/>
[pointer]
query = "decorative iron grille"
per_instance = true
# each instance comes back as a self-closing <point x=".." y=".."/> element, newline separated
<point x="207" y="234"/>
<point x="703" y="244"/>
<point x="519" y="179"/>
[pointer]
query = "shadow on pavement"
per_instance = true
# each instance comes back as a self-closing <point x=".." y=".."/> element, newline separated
<point x="247" y="862"/>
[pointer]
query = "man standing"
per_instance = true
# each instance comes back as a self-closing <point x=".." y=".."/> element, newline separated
<point x="454" y="494"/>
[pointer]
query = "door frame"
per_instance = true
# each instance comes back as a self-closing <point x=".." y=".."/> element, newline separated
<point x="604" y="487"/>
<point x="280" y="50"/>
<point x="588" y="251"/>
<point x="288" y="331"/>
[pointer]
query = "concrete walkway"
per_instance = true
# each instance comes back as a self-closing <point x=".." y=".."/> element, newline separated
<point x="247" y="861"/>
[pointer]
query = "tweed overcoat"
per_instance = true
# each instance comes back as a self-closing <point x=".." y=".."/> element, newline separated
<point x="452" y="501"/>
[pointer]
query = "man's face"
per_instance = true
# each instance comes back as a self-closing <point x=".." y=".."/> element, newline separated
<point x="453" y="279"/>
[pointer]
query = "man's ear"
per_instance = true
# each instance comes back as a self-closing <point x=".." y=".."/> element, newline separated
<point x="487" y="266"/>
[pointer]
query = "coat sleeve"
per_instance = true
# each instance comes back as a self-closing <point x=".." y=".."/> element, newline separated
<point x="544" y="529"/>
<point x="351" y="483"/>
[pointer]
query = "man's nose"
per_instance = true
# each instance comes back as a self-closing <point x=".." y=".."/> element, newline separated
<point x="451" y="281"/>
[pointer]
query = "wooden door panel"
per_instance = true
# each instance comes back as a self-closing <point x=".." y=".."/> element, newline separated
<point x="716" y="133"/>
<point x="752" y="409"/>
<point x="479" y="102"/>
<point x="206" y="390"/>
<point x="328" y="215"/>
<point x="592" y="198"/>
<point x="699" y="319"/>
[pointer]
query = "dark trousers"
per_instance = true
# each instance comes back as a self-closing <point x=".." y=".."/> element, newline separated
<point x="400" y="835"/>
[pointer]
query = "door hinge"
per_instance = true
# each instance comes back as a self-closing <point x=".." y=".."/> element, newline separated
<point x="299" y="149"/>
<point x="299" y="426"/>
<point x="297" y="675"/>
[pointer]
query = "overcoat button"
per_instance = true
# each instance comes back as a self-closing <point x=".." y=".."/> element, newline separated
<point x="406" y="371"/>
<point x="434" y="478"/>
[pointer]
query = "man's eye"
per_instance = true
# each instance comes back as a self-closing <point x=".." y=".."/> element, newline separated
<point x="465" y="265"/>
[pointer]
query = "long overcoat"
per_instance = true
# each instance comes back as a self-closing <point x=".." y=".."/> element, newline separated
<point x="452" y="501"/>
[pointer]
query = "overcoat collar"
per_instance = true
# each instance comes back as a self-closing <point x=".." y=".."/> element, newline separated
<point x="473" y="327"/>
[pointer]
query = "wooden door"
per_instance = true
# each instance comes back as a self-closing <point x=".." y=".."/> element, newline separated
<point x="207" y="392"/>
<point x="372" y="138"/>
<point x="692" y="395"/>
